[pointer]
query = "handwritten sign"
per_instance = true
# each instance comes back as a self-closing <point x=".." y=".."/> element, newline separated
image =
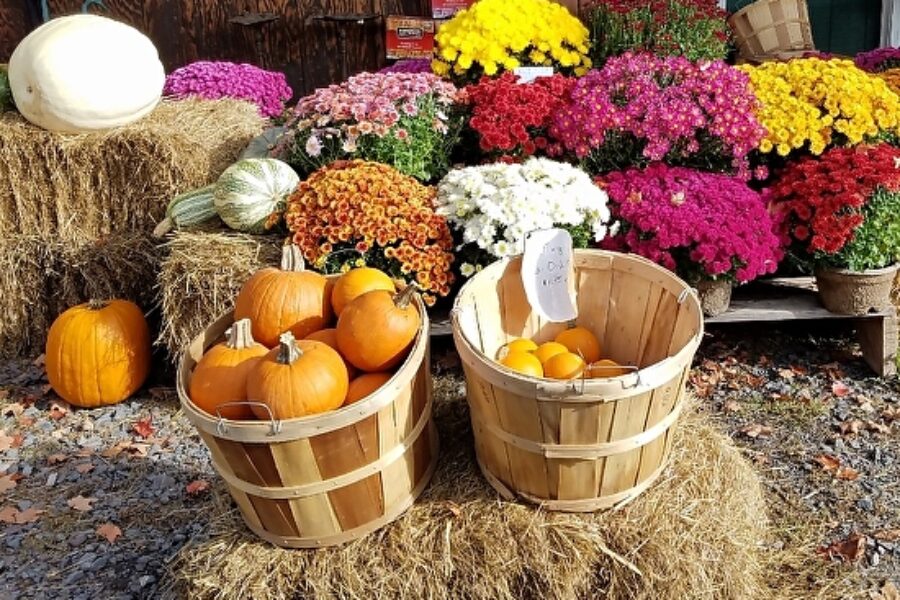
<point x="444" y="9"/>
<point x="529" y="74"/>
<point x="548" y="274"/>
<point x="409" y="37"/>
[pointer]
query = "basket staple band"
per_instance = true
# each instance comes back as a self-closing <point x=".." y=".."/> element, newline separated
<point x="319" y="487"/>
<point x="581" y="452"/>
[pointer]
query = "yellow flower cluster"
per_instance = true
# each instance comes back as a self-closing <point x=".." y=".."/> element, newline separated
<point x="819" y="102"/>
<point x="496" y="35"/>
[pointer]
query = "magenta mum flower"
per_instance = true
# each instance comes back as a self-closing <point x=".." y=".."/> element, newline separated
<point x="212" y="80"/>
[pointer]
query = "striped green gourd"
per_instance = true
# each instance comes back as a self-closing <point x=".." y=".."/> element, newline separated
<point x="251" y="190"/>
<point x="191" y="208"/>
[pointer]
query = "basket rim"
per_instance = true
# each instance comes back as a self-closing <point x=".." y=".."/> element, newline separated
<point x="583" y="389"/>
<point x="278" y="430"/>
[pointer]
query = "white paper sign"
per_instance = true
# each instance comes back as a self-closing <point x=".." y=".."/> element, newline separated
<point x="548" y="274"/>
<point x="529" y="74"/>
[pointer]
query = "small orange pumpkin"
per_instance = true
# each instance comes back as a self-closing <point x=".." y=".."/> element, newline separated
<point x="329" y="336"/>
<point x="356" y="282"/>
<point x="289" y="298"/>
<point x="364" y="385"/>
<point x="376" y="330"/>
<point x="606" y="368"/>
<point x="519" y="345"/>
<point x="548" y="350"/>
<point x="221" y="374"/>
<point x="98" y="353"/>
<point x="298" y="378"/>
<point x="580" y="341"/>
<point x="522" y="362"/>
<point x="566" y="365"/>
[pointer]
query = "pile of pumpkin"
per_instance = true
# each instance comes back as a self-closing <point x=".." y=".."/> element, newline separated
<point x="574" y="353"/>
<point x="286" y="356"/>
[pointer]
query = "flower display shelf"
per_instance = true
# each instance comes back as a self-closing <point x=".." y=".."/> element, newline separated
<point x="796" y="299"/>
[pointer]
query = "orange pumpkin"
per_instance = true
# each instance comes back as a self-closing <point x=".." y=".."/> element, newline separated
<point x="329" y="336"/>
<point x="289" y="298"/>
<point x="519" y="345"/>
<point x="221" y="374"/>
<point x="607" y="368"/>
<point x="364" y="385"/>
<point x="356" y="282"/>
<point x="298" y="378"/>
<point x="566" y="365"/>
<point x="98" y="353"/>
<point x="376" y="330"/>
<point x="522" y="362"/>
<point x="548" y="350"/>
<point x="580" y="341"/>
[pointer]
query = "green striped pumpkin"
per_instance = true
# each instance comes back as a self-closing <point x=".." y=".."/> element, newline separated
<point x="251" y="190"/>
<point x="191" y="208"/>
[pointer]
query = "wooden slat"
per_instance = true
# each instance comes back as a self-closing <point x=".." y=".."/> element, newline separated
<point x="521" y="417"/>
<point x="579" y="424"/>
<point x="296" y="465"/>
<point x="620" y="470"/>
<point x="594" y="301"/>
<point x="628" y="304"/>
<point x="661" y="404"/>
<point x="799" y="307"/>
<point x="492" y="451"/>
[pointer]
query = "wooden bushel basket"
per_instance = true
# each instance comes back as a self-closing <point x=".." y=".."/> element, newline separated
<point x="585" y="444"/>
<point x="768" y="29"/>
<point x="325" y="479"/>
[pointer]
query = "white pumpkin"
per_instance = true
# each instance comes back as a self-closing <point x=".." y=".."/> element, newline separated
<point x="251" y="190"/>
<point x="84" y="73"/>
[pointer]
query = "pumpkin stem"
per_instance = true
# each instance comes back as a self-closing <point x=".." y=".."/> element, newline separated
<point x="95" y="304"/>
<point x="288" y="352"/>
<point x="164" y="227"/>
<point x="402" y="299"/>
<point x="292" y="258"/>
<point x="240" y="335"/>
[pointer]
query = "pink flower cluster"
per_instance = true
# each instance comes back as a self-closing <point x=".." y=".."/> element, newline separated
<point x="880" y="59"/>
<point x="701" y="225"/>
<point x="213" y="80"/>
<point x="409" y="65"/>
<point x="671" y="107"/>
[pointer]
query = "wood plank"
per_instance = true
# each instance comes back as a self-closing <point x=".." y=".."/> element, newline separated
<point x="521" y="417"/>
<point x="627" y="307"/>
<point x="579" y="424"/>
<point x="793" y="308"/>
<point x="296" y="465"/>
<point x="491" y="451"/>
<point x="662" y="403"/>
<point x="621" y="470"/>
<point x="878" y="339"/>
<point x="594" y="302"/>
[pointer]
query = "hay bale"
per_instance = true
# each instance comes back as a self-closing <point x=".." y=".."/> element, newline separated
<point x="80" y="187"/>
<point x="695" y="534"/>
<point x="40" y="279"/>
<point x="200" y="276"/>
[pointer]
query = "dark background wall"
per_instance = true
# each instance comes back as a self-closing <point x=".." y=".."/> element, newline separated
<point x="307" y="50"/>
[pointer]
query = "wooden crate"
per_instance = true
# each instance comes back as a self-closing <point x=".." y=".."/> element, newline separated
<point x="769" y="29"/>
<point x="586" y="444"/>
<point x="325" y="479"/>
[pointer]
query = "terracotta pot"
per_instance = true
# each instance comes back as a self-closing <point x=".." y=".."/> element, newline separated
<point x="849" y="292"/>
<point x="715" y="296"/>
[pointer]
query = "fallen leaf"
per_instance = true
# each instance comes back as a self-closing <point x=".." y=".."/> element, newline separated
<point x="144" y="427"/>
<point x="840" y="389"/>
<point x="732" y="406"/>
<point x="888" y="592"/>
<point x="851" y="427"/>
<point x="81" y="503"/>
<point x="28" y="516"/>
<point x="828" y="462"/>
<point x="887" y="535"/>
<point x="12" y="515"/>
<point x="133" y="448"/>
<point x="833" y="370"/>
<point x="8" y="514"/>
<point x="55" y="459"/>
<point x="109" y="531"/>
<point x="58" y="409"/>
<point x="878" y="427"/>
<point x="850" y="550"/>
<point x="197" y="487"/>
<point x="13" y="409"/>
<point x="39" y="361"/>
<point x="5" y="441"/>
<point x="7" y="482"/>
<point x="84" y="468"/>
<point x="756" y="430"/>
<point x="786" y="374"/>
<point x="891" y="413"/>
<point x="847" y="474"/>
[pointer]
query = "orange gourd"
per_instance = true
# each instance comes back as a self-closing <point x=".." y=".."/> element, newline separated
<point x="356" y="282"/>
<point x="607" y="368"/>
<point x="221" y="375"/>
<point x="548" y="350"/>
<point x="329" y="336"/>
<point x="364" y="385"/>
<point x="580" y="341"/>
<point x="519" y="345"/>
<point x="298" y="378"/>
<point x="522" y="362"/>
<point x="289" y="298"/>
<point x="98" y="353"/>
<point x="566" y="365"/>
<point x="376" y="330"/>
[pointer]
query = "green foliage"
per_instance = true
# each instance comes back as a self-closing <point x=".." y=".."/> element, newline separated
<point x="6" y="99"/>
<point x="875" y="243"/>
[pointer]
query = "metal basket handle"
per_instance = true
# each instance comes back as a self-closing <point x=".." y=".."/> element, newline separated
<point x="222" y="426"/>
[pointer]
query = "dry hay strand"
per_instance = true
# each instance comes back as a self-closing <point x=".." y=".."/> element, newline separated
<point x="78" y="187"/>
<point x="697" y="533"/>
<point x="41" y="279"/>
<point x="200" y="276"/>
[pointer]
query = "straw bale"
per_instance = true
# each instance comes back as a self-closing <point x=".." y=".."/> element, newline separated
<point x="697" y="533"/>
<point x="80" y="187"/>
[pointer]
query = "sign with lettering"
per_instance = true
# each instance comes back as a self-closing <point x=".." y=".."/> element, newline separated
<point x="444" y="9"/>
<point x="409" y="37"/>
<point x="548" y="274"/>
<point x="529" y="74"/>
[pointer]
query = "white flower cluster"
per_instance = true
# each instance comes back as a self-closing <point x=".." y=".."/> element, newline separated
<point x="495" y="206"/>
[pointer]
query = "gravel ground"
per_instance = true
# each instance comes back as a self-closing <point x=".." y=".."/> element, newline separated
<point x="822" y="431"/>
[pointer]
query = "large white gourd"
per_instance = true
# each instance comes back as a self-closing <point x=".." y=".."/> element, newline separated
<point x="84" y="73"/>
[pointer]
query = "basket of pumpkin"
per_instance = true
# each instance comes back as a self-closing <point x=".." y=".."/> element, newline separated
<point x="577" y="416"/>
<point x="314" y="398"/>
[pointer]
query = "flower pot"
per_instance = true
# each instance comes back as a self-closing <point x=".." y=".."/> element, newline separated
<point x="849" y="292"/>
<point x="715" y="296"/>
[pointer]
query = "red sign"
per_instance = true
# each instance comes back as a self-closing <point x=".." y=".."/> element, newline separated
<point x="444" y="9"/>
<point x="409" y="37"/>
